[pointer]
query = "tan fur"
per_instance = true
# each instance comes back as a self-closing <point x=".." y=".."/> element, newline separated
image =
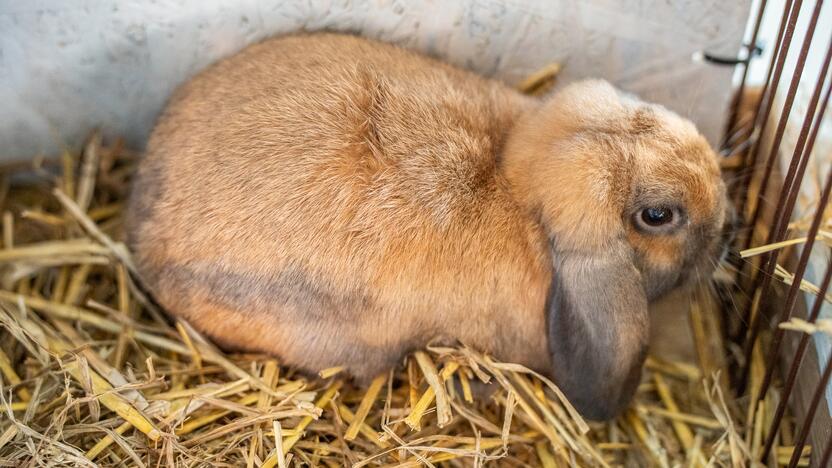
<point x="337" y="201"/>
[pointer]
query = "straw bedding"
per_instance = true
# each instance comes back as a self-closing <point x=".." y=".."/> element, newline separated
<point x="94" y="375"/>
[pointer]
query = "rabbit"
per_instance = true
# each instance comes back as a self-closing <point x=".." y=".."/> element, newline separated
<point x="333" y="200"/>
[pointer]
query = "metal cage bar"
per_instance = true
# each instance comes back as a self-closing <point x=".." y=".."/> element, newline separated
<point x="766" y="137"/>
<point x="785" y="202"/>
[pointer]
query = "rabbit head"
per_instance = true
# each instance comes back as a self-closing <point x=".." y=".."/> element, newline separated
<point x="630" y="197"/>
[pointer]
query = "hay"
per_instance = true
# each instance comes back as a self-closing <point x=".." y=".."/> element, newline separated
<point x="93" y="375"/>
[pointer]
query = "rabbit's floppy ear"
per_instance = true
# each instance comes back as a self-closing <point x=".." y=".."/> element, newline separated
<point x="598" y="328"/>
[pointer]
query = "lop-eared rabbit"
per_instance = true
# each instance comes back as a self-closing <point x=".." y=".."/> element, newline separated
<point x="333" y="200"/>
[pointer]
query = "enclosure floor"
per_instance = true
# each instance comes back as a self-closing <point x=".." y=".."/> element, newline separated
<point x="93" y="375"/>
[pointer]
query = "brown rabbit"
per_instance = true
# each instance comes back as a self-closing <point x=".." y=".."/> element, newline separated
<point x="338" y="201"/>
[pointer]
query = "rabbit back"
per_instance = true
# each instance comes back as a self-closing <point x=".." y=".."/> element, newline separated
<point x="337" y="201"/>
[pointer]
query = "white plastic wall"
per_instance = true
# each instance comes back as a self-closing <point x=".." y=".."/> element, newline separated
<point x="68" y="66"/>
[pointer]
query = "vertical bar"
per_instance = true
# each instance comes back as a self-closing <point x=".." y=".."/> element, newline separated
<point x="785" y="32"/>
<point x="798" y="276"/>
<point x="787" y="107"/>
<point x="766" y="101"/>
<point x="783" y="210"/>
<point x="820" y="389"/>
<point x="797" y="361"/>
<point x="802" y="151"/>
<point x="749" y="48"/>
<point x="791" y="299"/>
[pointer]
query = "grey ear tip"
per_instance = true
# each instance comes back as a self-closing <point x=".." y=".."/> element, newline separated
<point x="600" y="398"/>
<point x="597" y="341"/>
<point x="601" y="411"/>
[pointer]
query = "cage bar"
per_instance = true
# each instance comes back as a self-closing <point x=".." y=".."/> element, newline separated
<point x="766" y="136"/>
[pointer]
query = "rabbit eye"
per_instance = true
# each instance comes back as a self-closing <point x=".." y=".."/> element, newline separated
<point x="656" y="216"/>
<point x="659" y="219"/>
